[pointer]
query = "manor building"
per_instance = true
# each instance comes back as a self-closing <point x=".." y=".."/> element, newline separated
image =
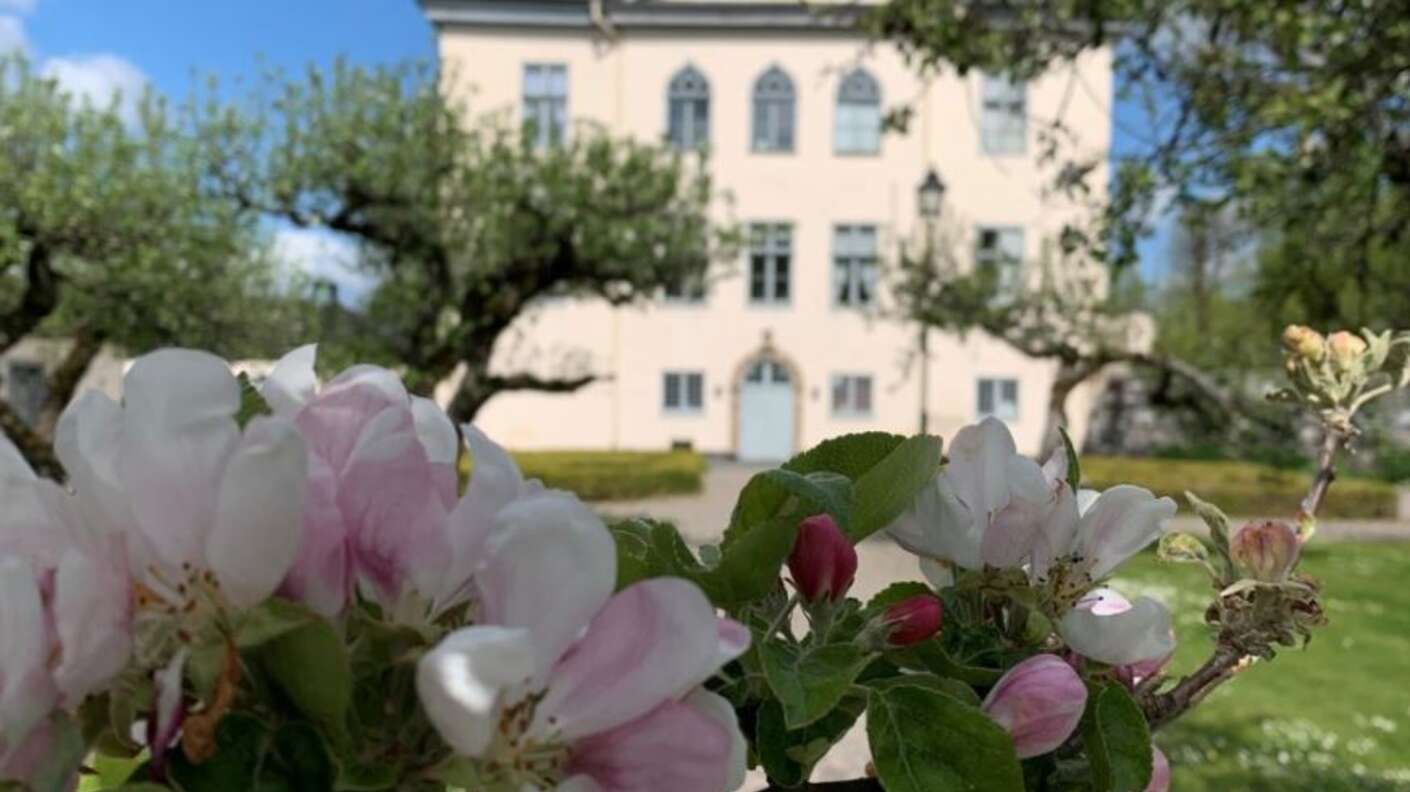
<point x="793" y="342"/>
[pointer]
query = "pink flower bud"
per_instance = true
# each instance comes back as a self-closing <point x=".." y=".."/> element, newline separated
<point x="1266" y="550"/>
<point x="1345" y="349"/>
<point x="1160" y="772"/>
<point x="914" y="620"/>
<point x="823" y="561"/>
<point x="1304" y="342"/>
<point x="1039" y="702"/>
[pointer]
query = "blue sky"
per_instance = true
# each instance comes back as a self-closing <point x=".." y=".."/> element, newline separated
<point x="97" y="46"/>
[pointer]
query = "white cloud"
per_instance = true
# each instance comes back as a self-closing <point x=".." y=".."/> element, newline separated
<point x="98" y="78"/>
<point x="18" y="6"/>
<point x="322" y="254"/>
<point x="12" y="37"/>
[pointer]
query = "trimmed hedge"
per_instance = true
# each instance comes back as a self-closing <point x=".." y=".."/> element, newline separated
<point x="613" y="475"/>
<point x="1242" y="489"/>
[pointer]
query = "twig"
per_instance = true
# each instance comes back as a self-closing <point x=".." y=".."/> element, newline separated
<point x="1162" y="708"/>
<point x="1335" y="440"/>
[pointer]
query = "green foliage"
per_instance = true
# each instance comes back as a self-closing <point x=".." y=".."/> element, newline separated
<point x="1242" y="489"/>
<point x="310" y="666"/>
<point x="1117" y="740"/>
<point x="465" y="223"/>
<point x="809" y="682"/>
<point x="613" y="475"/>
<point x="788" y="755"/>
<point x="923" y="740"/>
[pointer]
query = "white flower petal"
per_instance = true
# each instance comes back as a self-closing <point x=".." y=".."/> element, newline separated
<point x="88" y="441"/>
<point x="717" y="708"/>
<point x="1141" y="632"/>
<point x="1119" y="524"/>
<point x="550" y="566"/>
<point x="462" y="681"/>
<point x="979" y="467"/>
<point x="26" y="692"/>
<point x="435" y="430"/>
<point x="292" y="382"/>
<point x="92" y="613"/>
<point x="259" y="516"/>
<point x="12" y="462"/>
<point x="1015" y="530"/>
<point x="938" y="525"/>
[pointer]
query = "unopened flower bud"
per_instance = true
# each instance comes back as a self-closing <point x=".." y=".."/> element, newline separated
<point x="1039" y="702"/>
<point x="1304" y="342"/>
<point x="1266" y="550"/>
<point x="823" y="562"/>
<point x="1345" y="349"/>
<point x="913" y="620"/>
<point x="1160" y="772"/>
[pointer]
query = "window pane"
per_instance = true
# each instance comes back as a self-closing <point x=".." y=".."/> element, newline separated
<point x="672" y="397"/>
<point x="861" y="394"/>
<point x="533" y="80"/>
<point x="780" y="374"/>
<point x="865" y="279"/>
<point x="842" y="281"/>
<point x="781" y="264"/>
<point x="758" y="274"/>
<point x="986" y="397"/>
<point x="695" y="391"/>
<point x="839" y="394"/>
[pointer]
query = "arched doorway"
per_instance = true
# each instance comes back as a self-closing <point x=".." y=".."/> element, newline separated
<point x="766" y="419"/>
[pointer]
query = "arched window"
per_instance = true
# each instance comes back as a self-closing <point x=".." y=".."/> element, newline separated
<point x="688" y="109"/>
<point x="857" y="127"/>
<point x="774" y="105"/>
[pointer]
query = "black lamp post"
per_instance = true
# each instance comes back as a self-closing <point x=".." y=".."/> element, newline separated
<point x="930" y="197"/>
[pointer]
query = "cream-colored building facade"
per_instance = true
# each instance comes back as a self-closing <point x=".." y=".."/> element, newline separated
<point x="792" y="343"/>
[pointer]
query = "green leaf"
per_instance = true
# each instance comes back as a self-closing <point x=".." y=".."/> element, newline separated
<point x="889" y="488"/>
<point x="269" y="620"/>
<point x="931" y="656"/>
<point x="251" y="402"/>
<point x="300" y="758"/>
<point x="894" y="593"/>
<point x="1118" y="741"/>
<point x="1178" y="547"/>
<point x="310" y="665"/>
<point x="810" y="682"/>
<point x="648" y="549"/>
<point x="1218" y="523"/>
<point x="950" y="687"/>
<point x="788" y="755"/>
<point x="1074" y="465"/>
<point x="923" y="740"/>
<point x="241" y="744"/>
<point x="749" y="568"/>
<point x="773" y="492"/>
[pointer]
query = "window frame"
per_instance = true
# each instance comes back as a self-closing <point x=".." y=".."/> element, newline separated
<point x="773" y="252"/>
<point x="676" y="92"/>
<point x="997" y="385"/>
<point x="861" y="269"/>
<point x="1003" y="116"/>
<point x="543" y="137"/>
<point x="849" y="382"/>
<point x="786" y="96"/>
<point x="1009" y="265"/>
<point x="865" y="93"/>
<point x="683" y="378"/>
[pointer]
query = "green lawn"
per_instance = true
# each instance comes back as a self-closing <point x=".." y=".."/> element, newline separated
<point x="1331" y="718"/>
<point x="612" y="475"/>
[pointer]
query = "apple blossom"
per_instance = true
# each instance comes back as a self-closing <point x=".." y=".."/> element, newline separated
<point x="1266" y="550"/>
<point x="913" y="620"/>
<point x="1039" y="702"/>
<point x="823" y="562"/>
<point x="1106" y="627"/>
<point x="1160" y="772"/>
<point x="566" y="683"/>
<point x="1345" y="349"/>
<point x="1304" y="342"/>
<point x="381" y="484"/>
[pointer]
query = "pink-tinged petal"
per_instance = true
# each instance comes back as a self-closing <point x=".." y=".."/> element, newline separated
<point x="1055" y="538"/>
<point x="1160" y="772"/>
<point x="12" y="462"/>
<point x="1085" y="499"/>
<point x="88" y="441"/>
<point x="321" y="576"/>
<point x="36" y="521"/>
<point x="259" y="514"/>
<point x="1017" y="529"/>
<point x="550" y="566"/>
<point x="169" y="711"/>
<point x="734" y="640"/>
<point x="939" y="574"/>
<point x="28" y="759"/>
<point x="178" y="431"/>
<point x="462" y="683"/>
<point x="1122" y="521"/>
<point x="979" y="467"/>
<point x="394" y="515"/>
<point x="1039" y="702"/>
<point x="675" y="747"/>
<point x="93" y="619"/>
<point x="292" y="382"/>
<point x="1104" y="602"/>
<point x="436" y="431"/>
<point x="939" y="525"/>
<point x="653" y="641"/>
<point x="718" y="709"/>
<point x="27" y="693"/>
<point x="1138" y="633"/>
<point x="333" y="421"/>
<point x="495" y="482"/>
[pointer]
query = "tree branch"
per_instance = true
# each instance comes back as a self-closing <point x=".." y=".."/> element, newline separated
<point x="40" y="298"/>
<point x="851" y="785"/>
<point x="35" y="449"/>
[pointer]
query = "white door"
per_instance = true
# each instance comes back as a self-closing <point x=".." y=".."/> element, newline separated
<point x="765" y="413"/>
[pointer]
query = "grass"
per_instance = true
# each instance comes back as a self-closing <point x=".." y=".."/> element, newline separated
<point x="613" y="475"/>
<point x="1244" y="489"/>
<point x="1334" y="717"/>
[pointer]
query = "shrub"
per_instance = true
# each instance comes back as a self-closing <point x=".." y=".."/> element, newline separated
<point x="1245" y="489"/>
<point x="615" y="475"/>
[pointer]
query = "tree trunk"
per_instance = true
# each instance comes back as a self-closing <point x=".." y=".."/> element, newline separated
<point x="1070" y="374"/>
<point x="64" y="380"/>
<point x="36" y="450"/>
